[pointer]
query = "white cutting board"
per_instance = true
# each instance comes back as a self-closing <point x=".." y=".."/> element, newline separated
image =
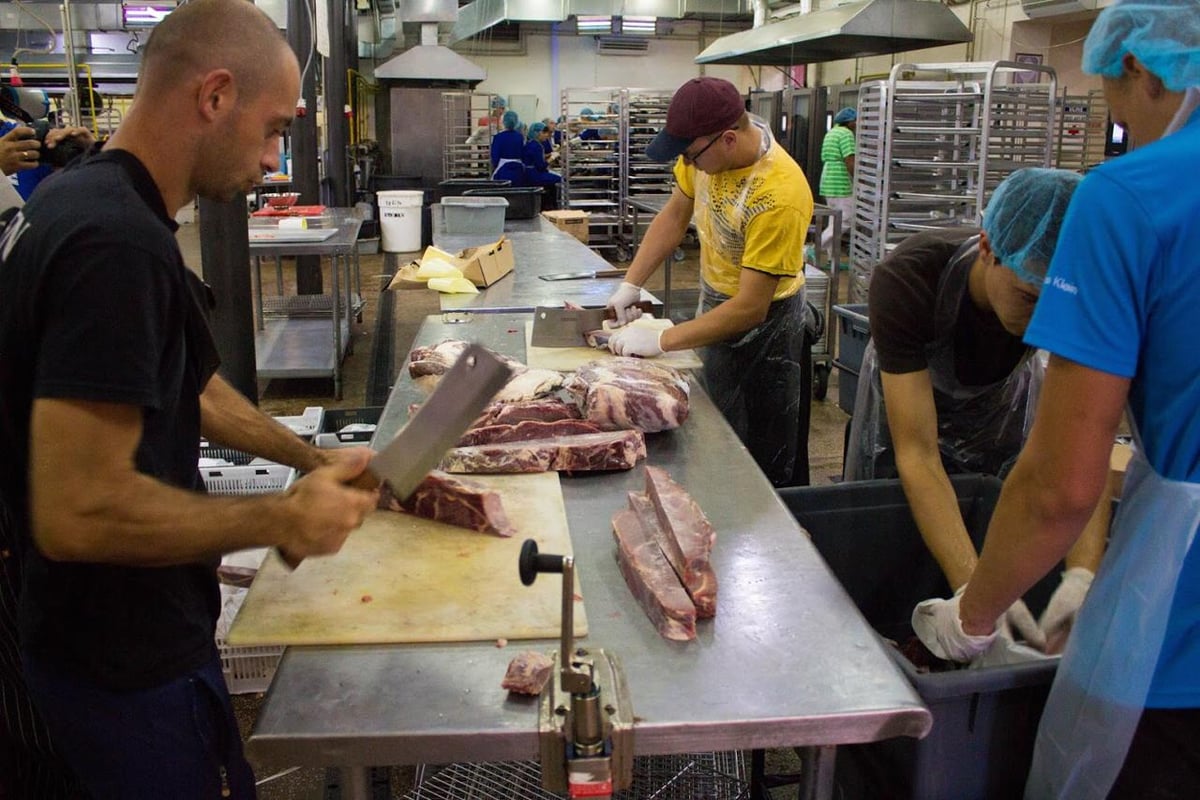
<point x="569" y="359"/>
<point x="403" y="579"/>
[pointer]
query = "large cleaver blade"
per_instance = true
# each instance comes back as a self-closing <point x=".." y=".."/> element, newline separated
<point x="566" y="327"/>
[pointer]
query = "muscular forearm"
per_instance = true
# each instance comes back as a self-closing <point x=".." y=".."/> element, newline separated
<point x="662" y="237"/>
<point x="728" y="320"/>
<point x="230" y="420"/>
<point x="935" y="508"/>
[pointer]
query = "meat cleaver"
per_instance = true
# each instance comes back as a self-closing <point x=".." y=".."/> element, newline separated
<point x="565" y="327"/>
<point x="574" y="276"/>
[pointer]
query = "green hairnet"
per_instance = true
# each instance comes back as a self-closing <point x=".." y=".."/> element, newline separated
<point x="510" y="120"/>
<point x="1024" y="216"/>
<point x="1163" y="34"/>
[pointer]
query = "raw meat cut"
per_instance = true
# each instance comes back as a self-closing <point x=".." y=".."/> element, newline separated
<point x="651" y="578"/>
<point x="454" y="501"/>
<point x="581" y="453"/>
<point x="528" y="673"/>
<point x="426" y="365"/>
<point x="545" y="409"/>
<point x="688" y="540"/>
<point x="526" y="431"/>
<point x="624" y="393"/>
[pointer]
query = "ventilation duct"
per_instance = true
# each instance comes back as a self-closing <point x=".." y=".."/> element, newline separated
<point x="622" y="45"/>
<point x="429" y="61"/>
<point x="1036" y="9"/>
<point x="852" y="30"/>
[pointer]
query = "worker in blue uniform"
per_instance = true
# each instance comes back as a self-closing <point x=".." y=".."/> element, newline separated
<point x="508" y="147"/>
<point x="1117" y="314"/>
<point x="537" y="173"/>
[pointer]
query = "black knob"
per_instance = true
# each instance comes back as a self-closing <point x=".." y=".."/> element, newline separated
<point x="532" y="562"/>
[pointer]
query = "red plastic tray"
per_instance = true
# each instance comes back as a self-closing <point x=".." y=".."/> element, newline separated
<point x="291" y="211"/>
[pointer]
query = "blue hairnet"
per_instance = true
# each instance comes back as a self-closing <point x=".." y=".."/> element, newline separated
<point x="498" y="102"/>
<point x="1163" y="34"/>
<point x="510" y="120"/>
<point x="535" y="129"/>
<point x="1024" y="216"/>
<point x="845" y="115"/>
<point x="587" y="114"/>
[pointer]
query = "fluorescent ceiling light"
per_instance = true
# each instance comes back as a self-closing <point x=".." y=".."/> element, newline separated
<point x="638" y="26"/>
<point x="593" y="24"/>
<point x="144" y="16"/>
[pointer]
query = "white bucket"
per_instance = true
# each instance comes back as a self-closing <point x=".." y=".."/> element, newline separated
<point x="400" y="220"/>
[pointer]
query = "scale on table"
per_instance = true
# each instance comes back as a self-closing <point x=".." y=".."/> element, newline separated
<point x="585" y="718"/>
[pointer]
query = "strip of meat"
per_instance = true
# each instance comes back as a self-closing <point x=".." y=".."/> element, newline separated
<point x="586" y="452"/>
<point x="651" y="578"/>
<point x="528" y="673"/>
<point x="426" y="365"/>
<point x="545" y="409"/>
<point x="455" y="501"/>
<point x="525" y="431"/>
<point x="688" y="537"/>
<point x="624" y="393"/>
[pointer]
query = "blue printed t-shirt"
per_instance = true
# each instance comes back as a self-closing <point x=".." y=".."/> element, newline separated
<point x="1121" y="297"/>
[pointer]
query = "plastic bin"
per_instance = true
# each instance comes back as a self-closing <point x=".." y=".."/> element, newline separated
<point x="307" y="424"/>
<point x="524" y="202"/>
<point x="984" y="720"/>
<point x="481" y="216"/>
<point x="854" y="332"/>
<point x="333" y="435"/>
<point x="455" y="187"/>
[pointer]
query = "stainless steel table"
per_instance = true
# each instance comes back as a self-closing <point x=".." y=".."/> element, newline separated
<point x="293" y="332"/>
<point x="788" y="660"/>
<point x="539" y="248"/>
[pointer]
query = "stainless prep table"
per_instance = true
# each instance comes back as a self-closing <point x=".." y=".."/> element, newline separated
<point x="788" y="660"/>
<point x="293" y="337"/>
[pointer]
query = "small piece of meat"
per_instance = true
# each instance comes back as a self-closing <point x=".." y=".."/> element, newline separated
<point x="529" y="384"/>
<point x="455" y="501"/>
<point x="622" y="393"/>
<point x="598" y="339"/>
<point x="922" y="658"/>
<point x="545" y="409"/>
<point x="586" y="452"/>
<point x="651" y="578"/>
<point x="525" y="431"/>
<point x="528" y="673"/>
<point x="689" y="537"/>
<point x="230" y="575"/>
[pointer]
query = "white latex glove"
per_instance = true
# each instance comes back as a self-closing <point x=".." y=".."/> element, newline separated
<point x="636" y="341"/>
<point x="1023" y="627"/>
<point x="622" y="302"/>
<point x="937" y="625"/>
<point x="1059" y="616"/>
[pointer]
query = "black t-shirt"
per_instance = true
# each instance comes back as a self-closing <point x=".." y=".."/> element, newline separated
<point x="901" y="312"/>
<point x="97" y="305"/>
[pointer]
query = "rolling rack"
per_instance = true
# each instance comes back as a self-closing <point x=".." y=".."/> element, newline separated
<point x="592" y="168"/>
<point x="467" y="149"/>
<point x="821" y="290"/>
<point x="934" y="141"/>
<point x="1082" y="130"/>
<point x="641" y="178"/>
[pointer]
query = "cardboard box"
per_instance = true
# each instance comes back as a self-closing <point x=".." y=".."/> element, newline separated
<point x="482" y="265"/>
<point x="570" y="221"/>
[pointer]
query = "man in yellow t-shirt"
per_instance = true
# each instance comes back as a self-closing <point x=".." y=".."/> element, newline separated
<point x="752" y="207"/>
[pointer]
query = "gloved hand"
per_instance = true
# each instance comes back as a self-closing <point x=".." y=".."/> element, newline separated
<point x="937" y="625"/>
<point x="1023" y="627"/>
<point x="622" y="302"/>
<point x="636" y="341"/>
<point x="1059" y="616"/>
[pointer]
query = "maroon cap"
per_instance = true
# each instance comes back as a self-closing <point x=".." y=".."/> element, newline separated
<point x="701" y="107"/>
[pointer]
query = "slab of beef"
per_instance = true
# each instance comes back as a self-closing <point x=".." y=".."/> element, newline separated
<point x="525" y="431"/>
<point x="528" y="673"/>
<point x="623" y="393"/>
<point x="651" y="578"/>
<point x="543" y="409"/>
<point x="454" y="501"/>
<point x="426" y="365"/>
<point x="586" y="452"/>
<point x="688" y="540"/>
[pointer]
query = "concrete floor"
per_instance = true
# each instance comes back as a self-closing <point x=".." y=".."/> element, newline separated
<point x="287" y="397"/>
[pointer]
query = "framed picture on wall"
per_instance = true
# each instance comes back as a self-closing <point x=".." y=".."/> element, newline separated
<point x="1031" y="76"/>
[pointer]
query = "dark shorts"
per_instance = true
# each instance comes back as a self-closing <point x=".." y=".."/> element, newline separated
<point x="1164" y="757"/>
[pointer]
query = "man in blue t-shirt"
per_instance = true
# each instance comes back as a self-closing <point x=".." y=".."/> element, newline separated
<point x="1117" y="314"/>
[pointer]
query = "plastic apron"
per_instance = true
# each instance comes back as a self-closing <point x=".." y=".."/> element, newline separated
<point x="980" y="428"/>
<point x="762" y="380"/>
<point x="1105" y="675"/>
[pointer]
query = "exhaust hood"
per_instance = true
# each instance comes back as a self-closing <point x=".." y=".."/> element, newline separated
<point x="852" y="30"/>
<point x="429" y="61"/>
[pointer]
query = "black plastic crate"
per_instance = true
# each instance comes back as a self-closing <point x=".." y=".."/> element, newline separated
<point x="332" y="435"/>
<point x="524" y="202"/>
<point x="854" y="331"/>
<point x="456" y="187"/>
<point x="984" y="720"/>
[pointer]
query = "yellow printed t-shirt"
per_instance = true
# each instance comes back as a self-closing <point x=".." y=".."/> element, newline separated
<point x="769" y="237"/>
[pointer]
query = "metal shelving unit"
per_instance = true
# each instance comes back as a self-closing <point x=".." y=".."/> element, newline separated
<point x="1084" y="120"/>
<point x="934" y="141"/>
<point x="646" y="115"/>
<point x="467" y="147"/>
<point x="592" y="167"/>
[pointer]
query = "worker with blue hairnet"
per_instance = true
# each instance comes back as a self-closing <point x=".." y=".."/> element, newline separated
<point x="1117" y="315"/>
<point x="537" y="173"/>
<point x="948" y="387"/>
<point x="837" y="171"/>
<point x="508" y="149"/>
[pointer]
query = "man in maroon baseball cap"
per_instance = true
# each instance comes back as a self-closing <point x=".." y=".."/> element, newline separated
<point x="751" y="206"/>
<point x="701" y="107"/>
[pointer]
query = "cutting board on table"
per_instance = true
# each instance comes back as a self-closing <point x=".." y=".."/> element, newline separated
<point x="569" y="359"/>
<point x="403" y="579"/>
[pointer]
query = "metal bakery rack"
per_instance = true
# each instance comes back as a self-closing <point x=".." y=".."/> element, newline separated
<point x="467" y="151"/>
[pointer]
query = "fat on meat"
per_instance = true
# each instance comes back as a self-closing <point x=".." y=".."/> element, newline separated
<point x="456" y="501"/>
<point x="527" y="430"/>
<point x="427" y="365"/>
<point x="608" y="450"/>
<point x="685" y="535"/>
<point x="630" y="393"/>
<point x="528" y="673"/>
<point x="651" y="578"/>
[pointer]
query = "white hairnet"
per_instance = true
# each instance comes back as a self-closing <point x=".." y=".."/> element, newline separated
<point x="1024" y="216"/>
<point x="1163" y="34"/>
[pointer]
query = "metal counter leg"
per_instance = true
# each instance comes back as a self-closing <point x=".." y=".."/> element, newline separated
<point x="356" y="783"/>
<point x="816" y="774"/>
<point x="279" y="275"/>
<point x="337" y="328"/>
<point x="256" y="280"/>
<point x="667" y="286"/>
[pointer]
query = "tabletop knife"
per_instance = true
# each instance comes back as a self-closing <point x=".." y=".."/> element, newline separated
<point x="573" y="276"/>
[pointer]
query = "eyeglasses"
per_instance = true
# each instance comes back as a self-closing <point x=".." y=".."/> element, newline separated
<point x="693" y="159"/>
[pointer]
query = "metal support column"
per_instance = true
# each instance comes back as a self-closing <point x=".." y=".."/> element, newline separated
<point x="305" y="174"/>
<point x="337" y="133"/>
<point x="225" y="256"/>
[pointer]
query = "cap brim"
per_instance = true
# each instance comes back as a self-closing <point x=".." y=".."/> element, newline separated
<point x="665" y="148"/>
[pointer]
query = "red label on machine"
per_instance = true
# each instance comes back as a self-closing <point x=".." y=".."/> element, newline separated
<point x="589" y="788"/>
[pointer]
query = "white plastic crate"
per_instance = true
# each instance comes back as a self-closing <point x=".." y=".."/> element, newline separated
<point x="248" y="669"/>
<point x="248" y="479"/>
<point x="307" y="424"/>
